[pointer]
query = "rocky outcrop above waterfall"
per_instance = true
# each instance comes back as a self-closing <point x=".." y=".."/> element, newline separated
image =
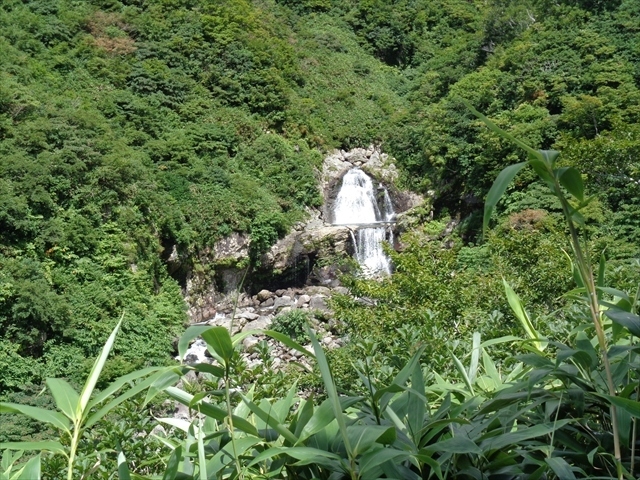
<point x="372" y="161"/>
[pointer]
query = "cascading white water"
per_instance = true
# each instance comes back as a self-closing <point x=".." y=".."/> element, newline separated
<point x="355" y="205"/>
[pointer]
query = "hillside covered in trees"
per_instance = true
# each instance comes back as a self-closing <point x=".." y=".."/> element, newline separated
<point x="128" y="127"/>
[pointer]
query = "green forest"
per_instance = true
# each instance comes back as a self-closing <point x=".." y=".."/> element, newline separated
<point x="503" y="346"/>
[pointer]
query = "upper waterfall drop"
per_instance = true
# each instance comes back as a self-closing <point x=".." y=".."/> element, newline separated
<point x="357" y="205"/>
<point x="356" y="202"/>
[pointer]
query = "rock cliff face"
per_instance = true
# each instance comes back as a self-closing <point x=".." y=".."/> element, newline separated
<point x="313" y="253"/>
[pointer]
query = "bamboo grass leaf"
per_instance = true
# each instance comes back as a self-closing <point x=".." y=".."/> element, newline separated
<point x="463" y="373"/>
<point x="475" y="357"/>
<point x="56" y="419"/>
<point x="304" y="455"/>
<point x="521" y="314"/>
<point x="134" y="390"/>
<point x="330" y="387"/>
<point x="173" y="464"/>
<point x="31" y="470"/>
<point x="372" y="459"/>
<point x="628" y="320"/>
<point x="202" y="458"/>
<point x="560" y="467"/>
<point x="117" y="384"/>
<point x="458" y="444"/>
<point x="123" y="468"/>
<point x="211" y="410"/>
<point x="65" y="396"/>
<point x="571" y="179"/>
<point x="42" y="445"/>
<point x="416" y="404"/>
<point x="498" y="188"/>
<point x="219" y="339"/>
<point x="271" y="421"/>
<point x="98" y="365"/>
<point x="362" y="437"/>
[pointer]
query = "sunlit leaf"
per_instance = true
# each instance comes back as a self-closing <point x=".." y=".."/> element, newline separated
<point x="65" y="396"/>
<point x="219" y="339"/>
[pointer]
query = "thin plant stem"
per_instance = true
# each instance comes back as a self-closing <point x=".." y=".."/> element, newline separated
<point x="72" y="451"/>
<point x="587" y="275"/>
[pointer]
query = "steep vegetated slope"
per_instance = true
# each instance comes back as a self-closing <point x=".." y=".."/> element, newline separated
<point x="127" y="127"/>
<point x="130" y="127"/>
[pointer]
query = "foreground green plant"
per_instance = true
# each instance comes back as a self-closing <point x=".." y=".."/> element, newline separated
<point x="79" y="411"/>
<point x="560" y="180"/>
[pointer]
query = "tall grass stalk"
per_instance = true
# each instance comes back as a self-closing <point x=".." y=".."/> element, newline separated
<point x="543" y="163"/>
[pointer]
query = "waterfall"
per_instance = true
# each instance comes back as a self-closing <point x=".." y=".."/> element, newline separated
<point x="357" y="205"/>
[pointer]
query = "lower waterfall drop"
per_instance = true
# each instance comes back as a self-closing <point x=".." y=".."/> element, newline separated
<point x="357" y="205"/>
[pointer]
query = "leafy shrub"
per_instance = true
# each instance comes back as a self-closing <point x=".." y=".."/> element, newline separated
<point x="293" y="324"/>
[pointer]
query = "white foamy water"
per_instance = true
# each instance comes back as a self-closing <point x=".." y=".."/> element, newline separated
<point x="356" y="204"/>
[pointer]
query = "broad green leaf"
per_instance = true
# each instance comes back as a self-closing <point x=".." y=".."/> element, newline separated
<point x="302" y="416"/>
<point x="416" y="404"/>
<point x="630" y="406"/>
<point x="219" y="339"/>
<point x="571" y="179"/>
<point x="498" y="188"/>
<point x="495" y="341"/>
<point x="31" y="470"/>
<point x="549" y="157"/>
<point x="384" y="395"/>
<point x="282" y="407"/>
<point x="324" y="415"/>
<point x="458" y="444"/>
<point x="330" y="387"/>
<point x="162" y="380"/>
<point x="625" y="422"/>
<point x="305" y="455"/>
<point x="463" y="373"/>
<point x="490" y="368"/>
<point x="227" y="454"/>
<point x="560" y="467"/>
<point x="98" y="365"/>
<point x="210" y="369"/>
<point x="56" y="419"/>
<point x="137" y="388"/>
<point x="211" y="410"/>
<point x="173" y="464"/>
<point x="362" y="437"/>
<point x="475" y="357"/>
<point x="123" y="468"/>
<point x="65" y="396"/>
<point x="270" y="420"/>
<point x="525" y="433"/>
<point x="43" y="445"/>
<point x="374" y="458"/>
<point x="202" y="458"/>
<point x="628" y="320"/>
<point x="425" y="457"/>
<point x="118" y="383"/>
<point x="9" y="457"/>
<point x="521" y="314"/>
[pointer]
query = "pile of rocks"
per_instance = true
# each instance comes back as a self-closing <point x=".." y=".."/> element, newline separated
<point x="245" y="313"/>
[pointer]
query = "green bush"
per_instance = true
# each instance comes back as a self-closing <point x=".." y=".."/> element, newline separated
<point x="293" y="324"/>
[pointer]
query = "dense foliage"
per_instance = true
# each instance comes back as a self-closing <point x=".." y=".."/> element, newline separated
<point x="132" y="131"/>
